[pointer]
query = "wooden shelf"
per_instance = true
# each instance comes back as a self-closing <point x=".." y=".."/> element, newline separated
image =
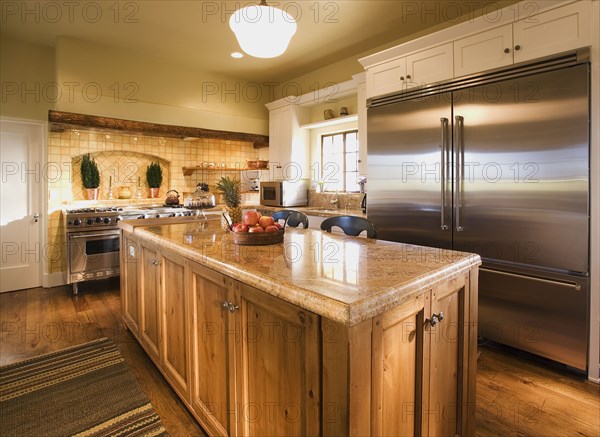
<point x="330" y="122"/>
<point x="190" y="170"/>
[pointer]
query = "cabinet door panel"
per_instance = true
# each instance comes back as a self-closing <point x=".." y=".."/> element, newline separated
<point x="398" y="370"/>
<point x="483" y="51"/>
<point x="130" y="260"/>
<point x="430" y="66"/>
<point x="554" y="31"/>
<point x="447" y="341"/>
<point x="386" y="78"/>
<point x="213" y="351"/>
<point x="278" y="373"/>
<point x="149" y="314"/>
<point x="175" y="341"/>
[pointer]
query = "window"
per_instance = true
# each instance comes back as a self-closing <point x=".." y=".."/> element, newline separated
<point x="339" y="161"/>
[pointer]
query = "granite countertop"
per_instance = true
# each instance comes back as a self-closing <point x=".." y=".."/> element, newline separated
<point x="311" y="210"/>
<point x="346" y="279"/>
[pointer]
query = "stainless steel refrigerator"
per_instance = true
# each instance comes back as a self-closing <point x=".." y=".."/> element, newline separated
<point x="498" y="165"/>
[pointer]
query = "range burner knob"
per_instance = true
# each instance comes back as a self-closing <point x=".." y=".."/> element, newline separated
<point x="141" y="217"/>
<point x="77" y="222"/>
<point x="118" y="219"/>
<point x="107" y="220"/>
<point x="157" y="216"/>
<point x="98" y="219"/>
<point x="90" y="221"/>
<point x="172" y="215"/>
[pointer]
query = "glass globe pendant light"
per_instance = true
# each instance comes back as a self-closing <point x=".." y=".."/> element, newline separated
<point x="263" y="31"/>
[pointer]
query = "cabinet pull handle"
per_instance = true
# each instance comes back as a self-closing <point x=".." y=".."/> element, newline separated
<point x="517" y="47"/>
<point x="435" y="318"/>
<point x="156" y="262"/>
<point x="507" y="50"/>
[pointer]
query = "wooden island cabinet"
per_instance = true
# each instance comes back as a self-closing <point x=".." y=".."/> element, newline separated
<point x="322" y="335"/>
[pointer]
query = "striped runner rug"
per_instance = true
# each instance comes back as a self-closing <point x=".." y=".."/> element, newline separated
<point x="85" y="390"/>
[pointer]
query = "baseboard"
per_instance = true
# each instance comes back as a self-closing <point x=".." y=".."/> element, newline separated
<point x="54" y="279"/>
<point x="594" y="373"/>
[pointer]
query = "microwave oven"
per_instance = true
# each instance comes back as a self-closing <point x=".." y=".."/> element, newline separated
<point x="284" y="193"/>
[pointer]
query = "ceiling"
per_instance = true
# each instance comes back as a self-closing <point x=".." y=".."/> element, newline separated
<point x="197" y="33"/>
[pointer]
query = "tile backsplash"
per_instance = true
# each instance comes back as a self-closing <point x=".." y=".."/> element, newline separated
<point x="125" y="157"/>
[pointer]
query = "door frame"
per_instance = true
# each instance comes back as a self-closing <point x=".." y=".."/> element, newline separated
<point x="42" y="129"/>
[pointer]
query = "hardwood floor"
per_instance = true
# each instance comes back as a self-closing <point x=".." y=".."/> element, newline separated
<point x="37" y="321"/>
<point x="515" y="397"/>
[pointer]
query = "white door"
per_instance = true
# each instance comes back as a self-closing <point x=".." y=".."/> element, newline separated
<point x="21" y="146"/>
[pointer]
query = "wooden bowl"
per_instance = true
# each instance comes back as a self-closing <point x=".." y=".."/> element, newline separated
<point x="258" y="238"/>
<point x="257" y="164"/>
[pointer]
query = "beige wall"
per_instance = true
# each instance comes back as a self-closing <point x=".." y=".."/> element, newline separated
<point x="27" y="75"/>
<point x="93" y="79"/>
<point x="137" y="87"/>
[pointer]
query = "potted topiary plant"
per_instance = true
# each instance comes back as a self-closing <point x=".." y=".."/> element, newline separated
<point x="90" y="176"/>
<point x="154" y="178"/>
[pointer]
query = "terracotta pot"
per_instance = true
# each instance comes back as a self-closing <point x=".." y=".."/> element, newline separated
<point x="92" y="193"/>
<point x="153" y="193"/>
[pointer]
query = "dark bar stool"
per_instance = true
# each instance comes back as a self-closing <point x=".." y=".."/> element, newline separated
<point x="351" y="225"/>
<point x="292" y="218"/>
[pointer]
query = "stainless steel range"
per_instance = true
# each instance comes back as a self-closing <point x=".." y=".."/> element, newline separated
<point x="93" y="239"/>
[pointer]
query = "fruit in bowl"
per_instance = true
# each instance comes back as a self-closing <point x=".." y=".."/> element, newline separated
<point x="257" y="230"/>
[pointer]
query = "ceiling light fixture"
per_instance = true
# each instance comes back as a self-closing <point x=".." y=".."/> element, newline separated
<point x="263" y="31"/>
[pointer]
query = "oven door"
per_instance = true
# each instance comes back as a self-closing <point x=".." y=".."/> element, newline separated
<point x="93" y="255"/>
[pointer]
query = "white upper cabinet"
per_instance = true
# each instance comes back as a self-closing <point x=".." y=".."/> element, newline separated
<point x="554" y="31"/>
<point x="418" y="69"/>
<point x="483" y="51"/>
<point x="535" y="30"/>
<point x="288" y="150"/>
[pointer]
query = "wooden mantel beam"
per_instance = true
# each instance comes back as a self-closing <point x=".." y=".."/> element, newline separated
<point x="62" y="120"/>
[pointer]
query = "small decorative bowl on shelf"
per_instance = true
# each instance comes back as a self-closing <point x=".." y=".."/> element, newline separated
<point x="257" y="164"/>
<point x="258" y="238"/>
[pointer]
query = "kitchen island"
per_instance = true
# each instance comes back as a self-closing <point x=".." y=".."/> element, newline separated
<point x="323" y="334"/>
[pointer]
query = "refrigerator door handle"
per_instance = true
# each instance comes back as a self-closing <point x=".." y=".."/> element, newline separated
<point x="444" y="175"/>
<point x="460" y="168"/>
<point x="573" y="285"/>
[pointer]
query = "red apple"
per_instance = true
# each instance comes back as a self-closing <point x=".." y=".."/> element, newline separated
<point x="256" y="229"/>
<point x="279" y="226"/>
<point x="272" y="228"/>
<point x="240" y="227"/>
<point x="266" y="221"/>
<point x="251" y="218"/>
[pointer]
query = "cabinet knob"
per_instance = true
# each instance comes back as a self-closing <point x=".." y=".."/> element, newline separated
<point x="507" y="50"/>
<point x="156" y="262"/>
<point x="408" y="76"/>
<point x="517" y="47"/>
<point x="401" y="77"/>
<point x="435" y="318"/>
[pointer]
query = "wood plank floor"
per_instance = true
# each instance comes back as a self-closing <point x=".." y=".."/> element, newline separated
<point x="515" y="396"/>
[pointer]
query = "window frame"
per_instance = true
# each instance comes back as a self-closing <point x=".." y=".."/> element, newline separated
<point x="343" y="170"/>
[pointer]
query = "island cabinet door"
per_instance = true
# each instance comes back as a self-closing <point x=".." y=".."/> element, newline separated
<point x="175" y="326"/>
<point x="149" y="302"/>
<point x="277" y="366"/>
<point x="449" y="410"/>
<point x="213" y="341"/>
<point x="398" y="368"/>
<point x="130" y="299"/>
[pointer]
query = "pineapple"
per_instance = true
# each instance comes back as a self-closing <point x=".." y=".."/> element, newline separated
<point x="230" y="189"/>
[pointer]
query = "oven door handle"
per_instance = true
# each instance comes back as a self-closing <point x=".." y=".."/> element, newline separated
<point x="94" y="235"/>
